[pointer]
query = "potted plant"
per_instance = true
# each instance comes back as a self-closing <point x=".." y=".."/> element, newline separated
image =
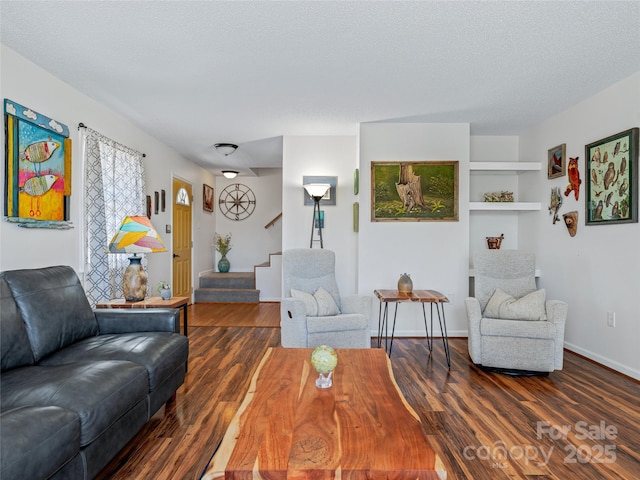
<point x="164" y="289"/>
<point x="223" y="245"/>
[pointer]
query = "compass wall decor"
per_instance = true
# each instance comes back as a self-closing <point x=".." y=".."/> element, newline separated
<point x="237" y="201"/>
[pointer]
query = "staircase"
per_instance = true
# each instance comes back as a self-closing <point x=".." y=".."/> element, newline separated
<point x="230" y="287"/>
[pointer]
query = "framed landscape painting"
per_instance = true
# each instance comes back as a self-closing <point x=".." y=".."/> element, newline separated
<point x="612" y="179"/>
<point x="424" y="191"/>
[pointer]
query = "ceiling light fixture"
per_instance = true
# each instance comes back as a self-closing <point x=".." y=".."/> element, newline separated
<point x="229" y="173"/>
<point x="225" y="148"/>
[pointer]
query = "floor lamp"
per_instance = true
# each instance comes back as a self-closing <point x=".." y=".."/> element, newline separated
<point x="316" y="191"/>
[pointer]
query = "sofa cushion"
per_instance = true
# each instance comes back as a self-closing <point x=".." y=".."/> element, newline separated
<point x="337" y="323"/>
<point x="517" y="328"/>
<point x="99" y="392"/>
<point x="529" y="307"/>
<point x="310" y="304"/>
<point x="159" y="352"/>
<point x="326" y="304"/>
<point x="53" y="306"/>
<point x="37" y="441"/>
<point x="320" y="304"/>
<point x="15" y="349"/>
<point x="307" y="269"/>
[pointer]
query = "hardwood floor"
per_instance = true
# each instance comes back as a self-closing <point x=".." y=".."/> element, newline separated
<point x="579" y="423"/>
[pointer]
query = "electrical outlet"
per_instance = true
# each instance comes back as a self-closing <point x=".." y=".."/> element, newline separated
<point x="611" y="319"/>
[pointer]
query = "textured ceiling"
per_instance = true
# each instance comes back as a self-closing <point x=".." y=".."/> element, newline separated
<point x="194" y="73"/>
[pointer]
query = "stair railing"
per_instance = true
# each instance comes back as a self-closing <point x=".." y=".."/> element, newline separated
<point x="272" y="222"/>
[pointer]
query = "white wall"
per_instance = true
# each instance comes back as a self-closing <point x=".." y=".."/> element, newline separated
<point x="596" y="271"/>
<point x="251" y="243"/>
<point x="29" y="85"/>
<point x="435" y="254"/>
<point x="332" y="156"/>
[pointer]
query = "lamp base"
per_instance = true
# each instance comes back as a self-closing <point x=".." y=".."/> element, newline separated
<point x="134" y="282"/>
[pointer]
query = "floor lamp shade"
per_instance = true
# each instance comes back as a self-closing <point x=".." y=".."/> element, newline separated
<point x="317" y="191"/>
<point x="135" y="235"/>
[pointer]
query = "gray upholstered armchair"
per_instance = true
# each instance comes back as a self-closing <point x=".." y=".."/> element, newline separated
<point x="312" y="311"/>
<point x="512" y="326"/>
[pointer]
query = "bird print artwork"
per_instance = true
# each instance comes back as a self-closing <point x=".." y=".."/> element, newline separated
<point x="574" y="178"/>
<point x="609" y="176"/>
<point x="40" y="151"/>
<point x="555" y="203"/>
<point x="35" y="187"/>
<point x="38" y="166"/>
<point x="611" y="187"/>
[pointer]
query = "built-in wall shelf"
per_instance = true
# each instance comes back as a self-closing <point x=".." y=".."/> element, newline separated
<point x="508" y="167"/>
<point x="504" y="206"/>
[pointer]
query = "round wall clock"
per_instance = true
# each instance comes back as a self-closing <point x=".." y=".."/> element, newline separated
<point x="237" y="201"/>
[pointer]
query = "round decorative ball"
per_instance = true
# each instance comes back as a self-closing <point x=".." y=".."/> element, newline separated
<point x="324" y="359"/>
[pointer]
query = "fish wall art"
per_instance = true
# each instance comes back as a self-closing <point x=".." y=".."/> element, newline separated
<point x="38" y="167"/>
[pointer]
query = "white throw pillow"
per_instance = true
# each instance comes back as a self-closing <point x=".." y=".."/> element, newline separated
<point x="326" y="304"/>
<point x="320" y="304"/>
<point x="504" y="306"/>
<point x="310" y="304"/>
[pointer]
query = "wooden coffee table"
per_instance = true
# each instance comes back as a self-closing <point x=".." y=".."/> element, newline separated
<point x="360" y="428"/>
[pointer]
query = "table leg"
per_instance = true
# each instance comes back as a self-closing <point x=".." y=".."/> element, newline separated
<point x="184" y="309"/>
<point x="393" y="329"/>
<point x="380" y="325"/>
<point x="426" y="329"/>
<point x="443" y="330"/>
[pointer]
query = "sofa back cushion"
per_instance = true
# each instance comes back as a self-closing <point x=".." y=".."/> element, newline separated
<point x="15" y="349"/>
<point x="307" y="269"/>
<point x="54" y="307"/>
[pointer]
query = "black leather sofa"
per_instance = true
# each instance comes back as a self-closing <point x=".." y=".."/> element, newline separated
<point x="77" y="384"/>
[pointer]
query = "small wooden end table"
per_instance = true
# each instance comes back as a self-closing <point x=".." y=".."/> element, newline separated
<point x="423" y="296"/>
<point x="151" y="302"/>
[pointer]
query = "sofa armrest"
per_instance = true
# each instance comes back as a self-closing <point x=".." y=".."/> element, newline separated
<point x="117" y="320"/>
<point x="357" y="304"/>
<point x="474" y="315"/>
<point x="293" y="323"/>
<point x="557" y="314"/>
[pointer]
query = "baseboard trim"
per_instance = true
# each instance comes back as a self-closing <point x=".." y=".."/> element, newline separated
<point x="604" y="361"/>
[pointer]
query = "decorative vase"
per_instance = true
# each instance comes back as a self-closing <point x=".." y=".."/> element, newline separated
<point x="134" y="281"/>
<point x="165" y="293"/>
<point x="405" y="284"/>
<point x="223" y="264"/>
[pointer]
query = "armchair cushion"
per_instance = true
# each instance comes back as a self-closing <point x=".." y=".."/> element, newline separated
<point x="504" y="306"/>
<point x="320" y="304"/>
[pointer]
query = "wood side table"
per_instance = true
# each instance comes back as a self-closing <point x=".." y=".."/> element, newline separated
<point x="151" y="302"/>
<point x="422" y="296"/>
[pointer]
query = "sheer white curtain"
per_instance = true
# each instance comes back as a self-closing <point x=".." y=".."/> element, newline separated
<point x="113" y="188"/>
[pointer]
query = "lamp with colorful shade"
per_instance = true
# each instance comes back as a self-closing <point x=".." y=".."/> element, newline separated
<point x="135" y="235"/>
